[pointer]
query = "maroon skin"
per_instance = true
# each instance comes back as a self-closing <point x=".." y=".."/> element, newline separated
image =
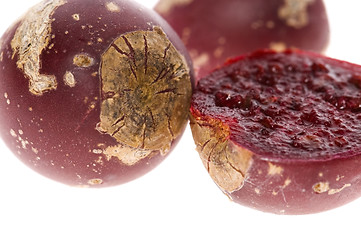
<point x="215" y="30"/>
<point x="55" y="132"/>
<point x="280" y="131"/>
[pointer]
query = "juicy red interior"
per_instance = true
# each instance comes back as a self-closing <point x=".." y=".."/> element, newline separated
<point x="292" y="105"/>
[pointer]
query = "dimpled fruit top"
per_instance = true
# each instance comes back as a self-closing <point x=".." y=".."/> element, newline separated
<point x="292" y="105"/>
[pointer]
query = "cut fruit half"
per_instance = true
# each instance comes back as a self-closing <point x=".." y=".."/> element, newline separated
<point x="281" y="131"/>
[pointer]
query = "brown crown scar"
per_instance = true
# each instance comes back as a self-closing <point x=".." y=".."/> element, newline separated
<point x="30" y="39"/>
<point x="226" y="162"/>
<point x="145" y="91"/>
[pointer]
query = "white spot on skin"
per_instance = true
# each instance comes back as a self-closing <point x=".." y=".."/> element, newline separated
<point x="199" y="60"/>
<point x="6" y="96"/>
<point x="35" y="150"/>
<point x="69" y="79"/>
<point x="23" y="142"/>
<point x="13" y="133"/>
<point x="287" y="183"/>
<point x="76" y="17"/>
<point x="274" y="170"/>
<point x="278" y="46"/>
<point x="112" y="7"/>
<point x="338" y="178"/>
<point x="97" y="151"/>
<point x="334" y="191"/>
<point x="51" y="46"/>
<point x="30" y="39"/>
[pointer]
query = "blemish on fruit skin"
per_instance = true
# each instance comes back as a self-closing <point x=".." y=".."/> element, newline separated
<point x="97" y="151"/>
<point x="36" y="151"/>
<point x="6" y="96"/>
<point x="31" y="38"/>
<point x="165" y="6"/>
<point x="199" y="59"/>
<point x="76" y="17"/>
<point x="69" y="79"/>
<point x="127" y="155"/>
<point x="278" y="46"/>
<point x="274" y="169"/>
<point x="112" y="7"/>
<point x="13" y="133"/>
<point x="83" y="60"/>
<point x="294" y="13"/>
<point x="287" y="183"/>
<point x="323" y="187"/>
<point x="95" y="181"/>
<point x="338" y="178"/>
<point x="334" y="191"/>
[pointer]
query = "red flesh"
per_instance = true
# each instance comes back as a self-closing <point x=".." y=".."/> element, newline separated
<point x="224" y="29"/>
<point x="295" y="110"/>
<point x="58" y="129"/>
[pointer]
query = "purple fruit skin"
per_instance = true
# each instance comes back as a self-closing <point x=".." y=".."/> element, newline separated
<point x="55" y="134"/>
<point x="225" y="29"/>
<point x="300" y="188"/>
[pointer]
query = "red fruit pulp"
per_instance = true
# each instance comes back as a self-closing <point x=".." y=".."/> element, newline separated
<point x="297" y="105"/>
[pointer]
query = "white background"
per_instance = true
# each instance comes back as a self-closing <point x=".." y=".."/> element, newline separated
<point x="177" y="200"/>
